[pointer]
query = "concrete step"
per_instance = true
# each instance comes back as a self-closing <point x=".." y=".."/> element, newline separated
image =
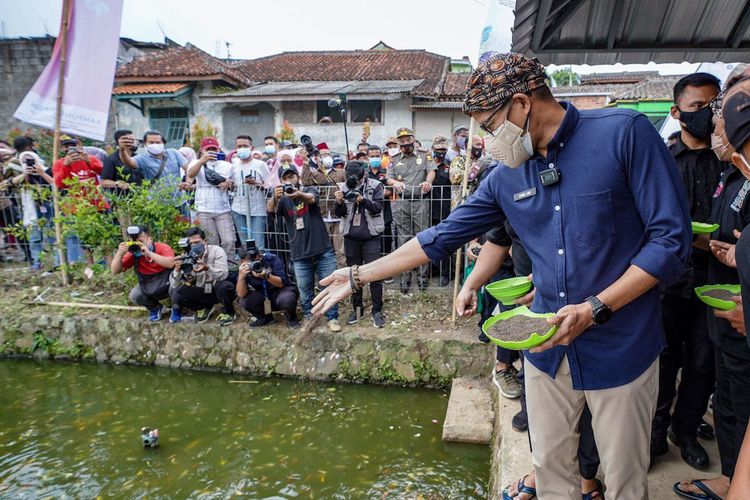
<point x="471" y="415"/>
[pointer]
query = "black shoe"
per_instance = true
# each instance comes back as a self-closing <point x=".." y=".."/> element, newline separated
<point x="353" y="317"/>
<point x="691" y="451"/>
<point x="405" y="287"/>
<point x="483" y="338"/>
<point x="422" y="285"/>
<point x="378" y="320"/>
<point x="263" y="321"/>
<point x="706" y="431"/>
<point x="444" y="281"/>
<point x="294" y="323"/>
<point x="520" y="422"/>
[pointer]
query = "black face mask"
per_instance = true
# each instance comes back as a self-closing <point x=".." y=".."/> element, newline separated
<point x="698" y="123"/>
<point x="407" y="148"/>
<point x="476" y="152"/>
<point x="438" y="156"/>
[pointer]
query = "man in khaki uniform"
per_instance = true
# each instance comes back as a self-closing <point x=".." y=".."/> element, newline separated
<point x="411" y="174"/>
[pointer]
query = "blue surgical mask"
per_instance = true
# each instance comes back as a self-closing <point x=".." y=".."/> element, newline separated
<point x="244" y="153"/>
<point x="375" y="162"/>
<point x="270" y="149"/>
<point x="461" y="142"/>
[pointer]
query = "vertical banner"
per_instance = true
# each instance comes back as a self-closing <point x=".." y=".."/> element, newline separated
<point x="494" y="40"/>
<point x="92" y="45"/>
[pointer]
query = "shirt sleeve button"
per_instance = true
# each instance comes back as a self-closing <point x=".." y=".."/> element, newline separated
<point x="557" y="208"/>
<point x="562" y="294"/>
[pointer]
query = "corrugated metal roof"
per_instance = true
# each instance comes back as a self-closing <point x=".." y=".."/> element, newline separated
<point x="439" y="105"/>
<point x="632" y="31"/>
<point x="324" y="88"/>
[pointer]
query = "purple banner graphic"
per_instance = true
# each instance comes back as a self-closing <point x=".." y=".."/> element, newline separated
<point x="92" y="44"/>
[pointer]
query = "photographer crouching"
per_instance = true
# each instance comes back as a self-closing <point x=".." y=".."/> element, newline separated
<point x="263" y="286"/>
<point x="359" y="203"/>
<point x="199" y="280"/>
<point x="152" y="263"/>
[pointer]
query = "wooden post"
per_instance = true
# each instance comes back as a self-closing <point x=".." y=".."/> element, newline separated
<point x="464" y="192"/>
<point x="56" y="144"/>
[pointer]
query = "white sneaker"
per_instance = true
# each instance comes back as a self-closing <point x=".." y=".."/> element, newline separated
<point x="334" y="325"/>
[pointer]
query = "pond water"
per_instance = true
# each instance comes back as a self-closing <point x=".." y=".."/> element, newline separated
<point x="73" y="430"/>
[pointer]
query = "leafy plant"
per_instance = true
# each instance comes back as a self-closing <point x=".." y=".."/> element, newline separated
<point x="287" y="133"/>
<point x="565" y="76"/>
<point x="201" y="128"/>
<point x="154" y="205"/>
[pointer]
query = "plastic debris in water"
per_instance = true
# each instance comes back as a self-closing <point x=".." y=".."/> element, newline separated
<point x="150" y="437"/>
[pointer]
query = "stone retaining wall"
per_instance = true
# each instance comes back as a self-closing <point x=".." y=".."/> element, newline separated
<point x="359" y="355"/>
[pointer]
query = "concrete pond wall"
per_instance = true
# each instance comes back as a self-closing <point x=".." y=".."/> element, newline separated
<point x="359" y="355"/>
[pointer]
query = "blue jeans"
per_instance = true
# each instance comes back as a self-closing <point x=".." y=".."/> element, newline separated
<point x="257" y="228"/>
<point x="73" y="250"/>
<point x="306" y="271"/>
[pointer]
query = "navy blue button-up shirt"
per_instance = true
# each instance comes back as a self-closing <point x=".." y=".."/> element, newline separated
<point x="619" y="202"/>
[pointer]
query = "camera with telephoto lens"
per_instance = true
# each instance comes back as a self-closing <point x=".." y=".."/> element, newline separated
<point x="306" y="141"/>
<point x="289" y="188"/>
<point x="187" y="260"/>
<point x="133" y="232"/>
<point x="253" y="252"/>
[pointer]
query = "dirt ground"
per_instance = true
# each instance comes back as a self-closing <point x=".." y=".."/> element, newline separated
<point x="418" y="313"/>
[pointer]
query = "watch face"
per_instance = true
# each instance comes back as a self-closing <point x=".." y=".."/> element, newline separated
<point x="602" y="315"/>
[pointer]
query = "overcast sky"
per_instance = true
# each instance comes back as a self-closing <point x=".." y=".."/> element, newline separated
<point x="256" y="28"/>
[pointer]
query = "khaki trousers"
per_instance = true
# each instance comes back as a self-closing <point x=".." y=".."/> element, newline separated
<point x="621" y="419"/>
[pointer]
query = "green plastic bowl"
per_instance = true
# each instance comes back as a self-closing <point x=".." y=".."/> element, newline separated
<point x="509" y="289"/>
<point x="724" y="305"/>
<point x="534" y="340"/>
<point x="703" y="228"/>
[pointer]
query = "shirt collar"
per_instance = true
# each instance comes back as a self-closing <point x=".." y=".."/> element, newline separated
<point x="567" y="125"/>
<point x="679" y="147"/>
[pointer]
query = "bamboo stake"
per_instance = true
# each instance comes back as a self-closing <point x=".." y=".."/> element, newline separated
<point x="464" y="192"/>
<point x="56" y="146"/>
<point x="88" y="305"/>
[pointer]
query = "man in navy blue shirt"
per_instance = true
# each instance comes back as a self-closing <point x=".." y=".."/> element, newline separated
<point x="596" y="200"/>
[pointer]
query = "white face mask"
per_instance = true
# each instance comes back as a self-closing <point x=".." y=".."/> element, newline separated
<point x="718" y="146"/>
<point x="244" y="153"/>
<point x="510" y="144"/>
<point x="393" y="151"/>
<point x="327" y="161"/>
<point x="155" y="149"/>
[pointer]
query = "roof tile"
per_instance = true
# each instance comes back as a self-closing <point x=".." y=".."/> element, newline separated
<point x="148" y="88"/>
<point x="360" y="65"/>
<point x="182" y="63"/>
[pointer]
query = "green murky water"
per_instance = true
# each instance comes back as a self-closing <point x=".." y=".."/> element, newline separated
<point x="73" y="430"/>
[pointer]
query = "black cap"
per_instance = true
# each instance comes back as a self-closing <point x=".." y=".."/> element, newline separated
<point x="736" y="113"/>
<point x="285" y="169"/>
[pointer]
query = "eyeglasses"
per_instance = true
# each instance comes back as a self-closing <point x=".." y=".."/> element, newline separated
<point x="485" y="124"/>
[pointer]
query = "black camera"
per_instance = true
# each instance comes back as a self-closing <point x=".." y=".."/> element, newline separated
<point x="549" y="177"/>
<point x="30" y="162"/>
<point x="256" y="266"/>
<point x="307" y="143"/>
<point x="289" y="188"/>
<point x="187" y="260"/>
<point x="133" y="232"/>
<point x="351" y="195"/>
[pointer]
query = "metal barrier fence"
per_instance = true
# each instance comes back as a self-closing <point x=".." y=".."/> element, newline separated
<point x="27" y="233"/>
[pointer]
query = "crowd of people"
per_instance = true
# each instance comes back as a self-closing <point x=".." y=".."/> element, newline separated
<point x="596" y="210"/>
<point x="302" y="210"/>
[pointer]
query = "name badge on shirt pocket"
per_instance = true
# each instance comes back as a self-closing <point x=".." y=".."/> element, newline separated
<point x="524" y="194"/>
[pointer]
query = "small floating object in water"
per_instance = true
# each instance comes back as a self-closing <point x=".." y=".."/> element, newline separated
<point x="150" y="437"/>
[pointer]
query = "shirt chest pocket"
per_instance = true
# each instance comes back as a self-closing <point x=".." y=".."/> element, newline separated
<point x="594" y="217"/>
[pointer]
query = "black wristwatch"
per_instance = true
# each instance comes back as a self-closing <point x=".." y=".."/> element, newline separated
<point x="601" y="311"/>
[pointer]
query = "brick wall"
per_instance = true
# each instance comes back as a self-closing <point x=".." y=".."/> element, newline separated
<point x="587" y="101"/>
<point x="21" y="62"/>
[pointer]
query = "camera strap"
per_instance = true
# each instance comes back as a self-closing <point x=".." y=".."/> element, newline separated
<point x="161" y="165"/>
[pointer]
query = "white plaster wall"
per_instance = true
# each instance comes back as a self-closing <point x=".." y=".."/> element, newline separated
<point x="396" y="113"/>
<point x="430" y="123"/>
